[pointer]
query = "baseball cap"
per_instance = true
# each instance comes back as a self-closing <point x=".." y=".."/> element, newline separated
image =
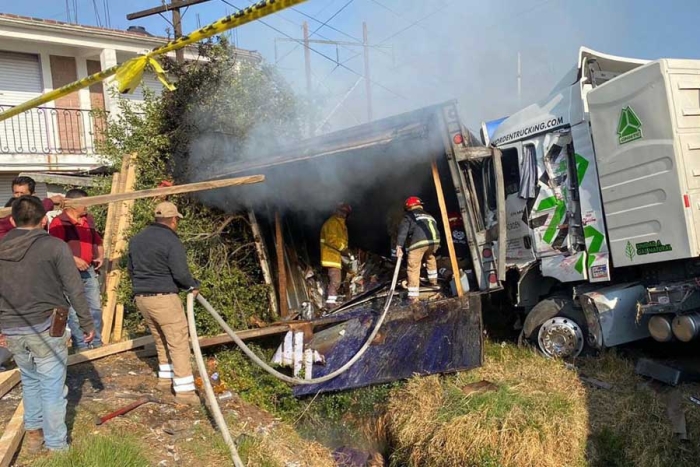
<point x="167" y="209"/>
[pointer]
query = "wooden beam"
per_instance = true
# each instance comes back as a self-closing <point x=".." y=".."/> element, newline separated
<point x="112" y="220"/>
<point x="8" y="380"/>
<point x="114" y="275"/>
<point x="281" y="268"/>
<point x="118" y="322"/>
<point x="12" y="436"/>
<point x="446" y="226"/>
<point x="107" y="350"/>
<point x="156" y="192"/>
<point x="264" y="260"/>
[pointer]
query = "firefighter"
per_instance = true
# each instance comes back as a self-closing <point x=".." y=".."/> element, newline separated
<point x="419" y="231"/>
<point x="334" y="245"/>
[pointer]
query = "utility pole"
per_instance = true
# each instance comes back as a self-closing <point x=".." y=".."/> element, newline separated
<point x="307" y="60"/>
<point x="174" y="7"/>
<point x="368" y="80"/>
<point x="177" y="29"/>
<point x="306" y="42"/>
<point x="309" y="82"/>
<point x="520" y="80"/>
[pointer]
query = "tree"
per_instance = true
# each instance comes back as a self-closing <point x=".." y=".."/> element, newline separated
<point x="223" y="110"/>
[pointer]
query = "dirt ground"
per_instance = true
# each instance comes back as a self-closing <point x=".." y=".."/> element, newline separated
<point x="170" y="434"/>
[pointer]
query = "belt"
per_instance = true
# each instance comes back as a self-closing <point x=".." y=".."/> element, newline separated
<point x="152" y="294"/>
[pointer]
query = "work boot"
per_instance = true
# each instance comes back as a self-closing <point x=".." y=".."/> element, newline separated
<point x="164" y="384"/>
<point x="34" y="440"/>
<point x="188" y="398"/>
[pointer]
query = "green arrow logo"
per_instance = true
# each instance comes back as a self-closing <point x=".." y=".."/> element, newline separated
<point x="597" y="239"/>
<point x="629" y="128"/>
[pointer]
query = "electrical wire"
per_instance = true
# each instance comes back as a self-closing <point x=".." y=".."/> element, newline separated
<point x="341" y="65"/>
<point x="318" y="28"/>
<point x="98" y="20"/>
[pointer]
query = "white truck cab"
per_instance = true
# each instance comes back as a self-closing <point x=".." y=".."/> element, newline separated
<point x="601" y="181"/>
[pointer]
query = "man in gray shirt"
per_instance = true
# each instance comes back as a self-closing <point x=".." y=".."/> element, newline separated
<point x="37" y="273"/>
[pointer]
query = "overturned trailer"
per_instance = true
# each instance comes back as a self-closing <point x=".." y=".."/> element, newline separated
<point x="374" y="167"/>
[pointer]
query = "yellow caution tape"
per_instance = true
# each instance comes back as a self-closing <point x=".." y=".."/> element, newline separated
<point x="129" y="74"/>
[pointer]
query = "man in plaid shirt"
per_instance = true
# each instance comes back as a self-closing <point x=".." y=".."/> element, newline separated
<point x="77" y="228"/>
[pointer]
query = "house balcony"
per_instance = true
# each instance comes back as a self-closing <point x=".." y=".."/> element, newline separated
<point x="52" y="138"/>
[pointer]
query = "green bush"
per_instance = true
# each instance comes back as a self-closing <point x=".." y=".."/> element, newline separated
<point x="218" y="95"/>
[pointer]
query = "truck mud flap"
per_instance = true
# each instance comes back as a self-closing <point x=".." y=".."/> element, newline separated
<point x="424" y="339"/>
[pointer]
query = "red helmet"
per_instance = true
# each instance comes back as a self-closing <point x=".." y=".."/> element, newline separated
<point x="344" y="207"/>
<point x="412" y="202"/>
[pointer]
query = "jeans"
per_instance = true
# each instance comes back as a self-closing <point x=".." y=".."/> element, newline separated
<point x="42" y="362"/>
<point x="92" y="293"/>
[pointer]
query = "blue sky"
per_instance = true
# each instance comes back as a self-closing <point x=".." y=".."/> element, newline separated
<point x="437" y="49"/>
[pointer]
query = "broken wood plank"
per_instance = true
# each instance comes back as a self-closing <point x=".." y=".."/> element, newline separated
<point x="12" y="436"/>
<point x="109" y="310"/>
<point x="264" y="260"/>
<point x="112" y="219"/>
<point x="8" y="380"/>
<point x="281" y="268"/>
<point x="446" y="227"/>
<point x="118" y="322"/>
<point x="156" y="192"/>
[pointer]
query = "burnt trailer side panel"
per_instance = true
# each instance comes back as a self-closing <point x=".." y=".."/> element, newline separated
<point x="424" y="339"/>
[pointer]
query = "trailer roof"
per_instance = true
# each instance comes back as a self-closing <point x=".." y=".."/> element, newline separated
<point x="407" y="125"/>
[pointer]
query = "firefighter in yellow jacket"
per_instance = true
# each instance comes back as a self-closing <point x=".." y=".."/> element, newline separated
<point x="334" y="245"/>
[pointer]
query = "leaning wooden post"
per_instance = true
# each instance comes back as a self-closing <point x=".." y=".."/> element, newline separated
<point x="264" y="261"/>
<point x="115" y="274"/>
<point x="281" y="271"/>
<point x="446" y="226"/>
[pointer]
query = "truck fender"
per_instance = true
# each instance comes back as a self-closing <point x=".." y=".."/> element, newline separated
<point x="544" y="310"/>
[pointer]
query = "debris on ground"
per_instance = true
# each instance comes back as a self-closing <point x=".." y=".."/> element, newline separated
<point x="166" y="434"/>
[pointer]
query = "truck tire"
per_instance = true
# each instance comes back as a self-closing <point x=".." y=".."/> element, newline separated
<point x="556" y="328"/>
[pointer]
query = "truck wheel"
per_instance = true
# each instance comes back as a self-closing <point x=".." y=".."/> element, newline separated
<point x="557" y="328"/>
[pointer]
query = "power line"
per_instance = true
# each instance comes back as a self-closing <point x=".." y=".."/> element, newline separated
<point x="98" y="21"/>
<point x="318" y="28"/>
<point x="321" y="54"/>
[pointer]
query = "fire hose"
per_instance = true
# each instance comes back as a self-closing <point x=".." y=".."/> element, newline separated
<point x="239" y="342"/>
<point x="208" y="390"/>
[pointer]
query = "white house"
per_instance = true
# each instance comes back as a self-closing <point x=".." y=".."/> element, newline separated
<point x="39" y="55"/>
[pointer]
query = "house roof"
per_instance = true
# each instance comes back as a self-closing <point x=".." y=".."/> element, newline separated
<point x="94" y="31"/>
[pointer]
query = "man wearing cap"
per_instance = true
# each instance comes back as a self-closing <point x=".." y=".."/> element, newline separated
<point x="334" y="245"/>
<point x="77" y="228"/>
<point x="158" y="269"/>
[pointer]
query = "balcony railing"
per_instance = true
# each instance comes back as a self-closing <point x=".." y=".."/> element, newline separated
<point x="49" y="130"/>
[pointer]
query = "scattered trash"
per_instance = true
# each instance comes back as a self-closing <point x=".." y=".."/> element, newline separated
<point x="596" y="382"/>
<point x="224" y="396"/>
<point x="351" y="457"/>
<point x="676" y="414"/>
<point x="479" y="387"/>
<point x="694" y="400"/>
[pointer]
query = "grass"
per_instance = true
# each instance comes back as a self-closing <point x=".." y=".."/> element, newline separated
<point x="541" y="414"/>
<point x="536" y="416"/>
<point x="99" y="451"/>
<point x="629" y="425"/>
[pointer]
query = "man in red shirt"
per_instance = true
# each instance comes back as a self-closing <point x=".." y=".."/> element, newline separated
<point x="22" y="186"/>
<point x="75" y="227"/>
